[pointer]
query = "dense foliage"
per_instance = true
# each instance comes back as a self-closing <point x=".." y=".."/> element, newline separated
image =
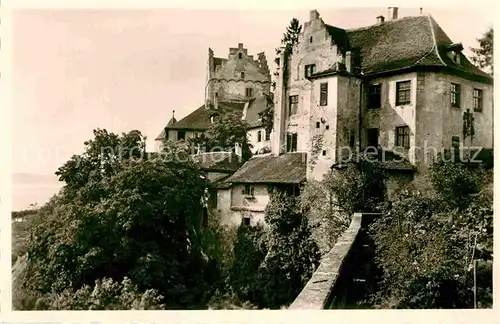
<point x="273" y="264"/>
<point x="329" y="203"/>
<point x="225" y="134"/>
<point x="122" y="217"/>
<point x="483" y="55"/>
<point x="428" y="245"/>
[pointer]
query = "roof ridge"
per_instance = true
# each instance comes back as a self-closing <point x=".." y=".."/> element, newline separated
<point x="434" y="40"/>
<point x="384" y="23"/>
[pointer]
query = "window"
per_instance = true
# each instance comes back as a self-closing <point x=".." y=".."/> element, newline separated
<point x="293" y="105"/>
<point x="323" y="94"/>
<point x="478" y="100"/>
<point x="291" y="142"/>
<point x="246" y="221"/>
<point x="372" y="137"/>
<point x="181" y="135"/>
<point x="403" y="93"/>
<point x="455" y="142"/>
<point x="324" y="152"/>
<point x="166" y="134"/>
<point x="216" y="95"/>
<point x="351" y="140"/>
<point x="240" y="56"/>
<point x="455" y="146"/>
<point x="248" y="191"/>
<point x="374" y="96"/>
<point x="310" y="39"/>
<point x="403" y="136"/>
<point x="205" y="217"/>
<point x="455" y="95"/>
<point x="259" y="136"/>
<point x="214" y="199"/>
<point x="249" y="92"/>
<point x="317" y="124"/>
<point x="310" y="69"/>
<point x="327" y="127"/>
<point x="268" y="136"/>
<point x="242" y="74"/>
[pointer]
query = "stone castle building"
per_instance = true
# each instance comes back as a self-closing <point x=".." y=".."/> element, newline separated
<point x="400" y="86"/>
<point x="238" y="83"/>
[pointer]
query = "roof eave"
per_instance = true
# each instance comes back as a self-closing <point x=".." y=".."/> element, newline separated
<point x="416" y="68"/>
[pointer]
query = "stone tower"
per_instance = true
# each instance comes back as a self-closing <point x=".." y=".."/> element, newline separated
<point x="239" y="77"/>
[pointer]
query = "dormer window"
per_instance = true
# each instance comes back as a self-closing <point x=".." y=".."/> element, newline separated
<point x="240" y="56"/>
<point x="214" y="118"/>
<point x="454" y="51"/>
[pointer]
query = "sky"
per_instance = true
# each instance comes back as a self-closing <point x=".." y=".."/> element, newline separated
<point x="77" y="70"/>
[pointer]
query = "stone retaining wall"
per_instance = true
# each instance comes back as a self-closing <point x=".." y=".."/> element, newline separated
<point x="317" y="294"/>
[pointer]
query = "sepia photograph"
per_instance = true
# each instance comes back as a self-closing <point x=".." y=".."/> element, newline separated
<point x="302" y="159"/>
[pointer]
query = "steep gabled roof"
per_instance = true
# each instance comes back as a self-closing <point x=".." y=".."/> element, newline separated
<point x="255" y="107"/>
<point x="405" y="43"/>
<point x="162" y="134"/>
<point x="285" y="168"/>
<point x="200" y="118"/>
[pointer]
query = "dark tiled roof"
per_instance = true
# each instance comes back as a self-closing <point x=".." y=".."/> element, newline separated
<point x="402" y="44"/>
<point x="218" y="161"/>
<point x="200" y="118"/>
<point x="388" y="160"/>
<point x="339" y="35"/>
<point x="255" y="107"/>
<point x="286" y="168"/>
<point x="222" y="183"/>
<point x="393" y="44"/>
<point x="170" y="123"/>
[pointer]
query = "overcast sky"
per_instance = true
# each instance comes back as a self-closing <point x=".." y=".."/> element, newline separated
<point x="74" y="71"/>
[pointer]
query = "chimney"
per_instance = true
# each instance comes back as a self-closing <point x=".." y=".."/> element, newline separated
<point x="313" y="15"/>
<point x="348" y="61"/>
<point x="380" y="19"/>
<point x="237" y="149"/>
<point x="393" y="13"/>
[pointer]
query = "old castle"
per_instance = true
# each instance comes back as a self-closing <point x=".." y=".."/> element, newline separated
<point x="400" y="86"/>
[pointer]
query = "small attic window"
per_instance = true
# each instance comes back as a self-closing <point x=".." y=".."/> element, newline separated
<point x="214" y="118"/>
<point x="240" y="55"/>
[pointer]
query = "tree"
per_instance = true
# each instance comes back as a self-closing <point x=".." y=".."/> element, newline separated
<point x="249" y="252"/>
<point x="292" y="254"/>
<point x="102" y="156"/>
<point x="267" y="115"/>
<point x="139" y="220"/>
<point x="330" y="203"/>
<point x="229" y="131"/>
<point x="429" y="245"/>
<point x="483" y="55"/>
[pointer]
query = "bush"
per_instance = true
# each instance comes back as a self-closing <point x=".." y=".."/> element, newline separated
<point x="105" y="294"/>
<point x="427" y="244"/>
<point x="120" y="218"/>
<point x="292" y="254"/>
<point x="249" y="252"/>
